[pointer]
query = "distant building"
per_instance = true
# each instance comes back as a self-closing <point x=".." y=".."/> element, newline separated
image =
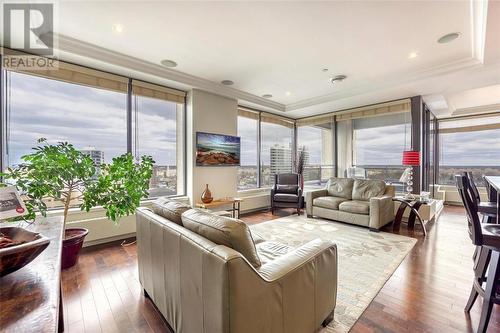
<point x="96" y="155"/>
<point x="280" y="159"/>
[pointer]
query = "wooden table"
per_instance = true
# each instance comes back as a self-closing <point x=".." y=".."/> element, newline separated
<point x="494" y="192"/>
<point x="234" y="202"/>
<point x="30" y="298"/>
<point x="413" y="205"/>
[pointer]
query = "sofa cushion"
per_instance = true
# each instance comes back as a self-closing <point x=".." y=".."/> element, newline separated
<point x="364" y="189"/>
<point x="222" y="230"/>
<point x="355" y="207"/>
<point x="269" y="251"/>
<point x="291" y="189"/>
<point x="170" y="209"/>
<point x="340" y="187"/>
<point x="328" y="202"/>
<point x="286" y="197"/>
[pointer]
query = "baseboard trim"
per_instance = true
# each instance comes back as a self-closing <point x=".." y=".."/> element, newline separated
<point x="108" y="239"/>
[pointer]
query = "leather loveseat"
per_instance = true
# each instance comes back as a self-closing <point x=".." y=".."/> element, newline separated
<point x="363" y="202"/>
<point x="211" y="274"/>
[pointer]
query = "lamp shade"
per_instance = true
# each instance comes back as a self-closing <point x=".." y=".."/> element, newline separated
<point x="411" y="158"/>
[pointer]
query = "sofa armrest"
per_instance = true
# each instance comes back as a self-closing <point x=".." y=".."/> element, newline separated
<point x="295" y="260"/>
<point x="298" y="288"/>
<point x="310" y="196"/>
<point x="381" y="211"/>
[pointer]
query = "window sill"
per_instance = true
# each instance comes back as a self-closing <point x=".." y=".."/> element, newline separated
<point x="253" y="192"/>
<point x="97" y="209"/>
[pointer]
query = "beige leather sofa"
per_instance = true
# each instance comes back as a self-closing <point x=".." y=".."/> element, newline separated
<point x="363" y="202"/>
<point x="210" y="274"/>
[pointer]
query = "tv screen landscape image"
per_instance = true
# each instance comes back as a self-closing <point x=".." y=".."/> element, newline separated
<point x="217" y="149"/>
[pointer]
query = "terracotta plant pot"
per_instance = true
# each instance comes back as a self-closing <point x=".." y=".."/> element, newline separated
<point x="72" y="244"/>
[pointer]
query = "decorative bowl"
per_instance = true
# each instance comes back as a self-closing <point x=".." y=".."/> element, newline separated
<point x="15" y="257"/>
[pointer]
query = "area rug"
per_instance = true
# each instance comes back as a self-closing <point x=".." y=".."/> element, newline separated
<point x="366" y="259"/>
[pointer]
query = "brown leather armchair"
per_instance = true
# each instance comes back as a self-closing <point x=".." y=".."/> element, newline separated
<point x="286" y="192"/>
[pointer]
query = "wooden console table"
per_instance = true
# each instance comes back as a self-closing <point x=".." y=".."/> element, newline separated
<point x="30" y="298"/>
<point x="234" y="202"/>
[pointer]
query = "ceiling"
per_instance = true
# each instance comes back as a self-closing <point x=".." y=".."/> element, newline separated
<point x="280" y="48"/>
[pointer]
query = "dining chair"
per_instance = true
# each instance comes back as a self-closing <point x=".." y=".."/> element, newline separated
<point x="486" y="208"/>
<point x="487" y="236"/>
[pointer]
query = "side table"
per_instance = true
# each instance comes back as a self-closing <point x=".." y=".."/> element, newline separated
<point x="234" y="202"/>
<point x="413" y="206"/>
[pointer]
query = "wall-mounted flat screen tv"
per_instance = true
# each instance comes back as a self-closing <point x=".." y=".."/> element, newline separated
<point x="217" y="149"/>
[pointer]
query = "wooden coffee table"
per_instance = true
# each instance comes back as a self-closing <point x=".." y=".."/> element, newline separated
<point x="234" y="202"/>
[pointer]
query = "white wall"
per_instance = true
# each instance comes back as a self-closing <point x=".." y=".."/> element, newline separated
<point x="210" y="113"/>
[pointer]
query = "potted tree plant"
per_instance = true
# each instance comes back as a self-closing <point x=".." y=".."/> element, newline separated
<point x="61" y="172"/>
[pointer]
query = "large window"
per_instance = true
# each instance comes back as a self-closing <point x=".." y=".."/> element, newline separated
<point x="469" y="144"/>
<point x="248" y="123"/>
<point x="378" y="145"/>
<point x="276" y="148"/>
<point x="88" y="109"/>
<point x="316" y="138"/>
<point x="158" y="131"/>
<point x="92" y="119"/>
<point x="273" y="136"/>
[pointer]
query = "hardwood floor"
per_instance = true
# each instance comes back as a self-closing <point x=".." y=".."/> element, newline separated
<point x="427" y="293"/>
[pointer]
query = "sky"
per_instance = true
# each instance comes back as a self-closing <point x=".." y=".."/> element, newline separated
<point x="86" y="116"/>
<point x="381" y="145"/>
<point x="480" y="148"/>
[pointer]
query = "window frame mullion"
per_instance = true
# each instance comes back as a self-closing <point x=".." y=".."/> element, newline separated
<point x="129" y="116"/>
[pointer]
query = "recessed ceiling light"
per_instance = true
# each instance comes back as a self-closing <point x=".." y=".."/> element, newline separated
<point x="324" y="70"/>
<point x="338" y="78"/>
<point x="168" y="63"/>
<point x="227" y="82"/>
<point x="448" y="38"/>
<point x="118" y="28"/>
<point x="288" y="93"/>
<point x="412" y="55"/>
<point x="267" y="95"/>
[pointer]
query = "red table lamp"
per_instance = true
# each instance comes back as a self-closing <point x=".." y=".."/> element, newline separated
<point x="411" y="158"/>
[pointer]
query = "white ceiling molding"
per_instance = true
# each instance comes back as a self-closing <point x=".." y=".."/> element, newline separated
<point x="87" y="50"/>
<point x="477" y="110"/>
<point x="479" y="14"/>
